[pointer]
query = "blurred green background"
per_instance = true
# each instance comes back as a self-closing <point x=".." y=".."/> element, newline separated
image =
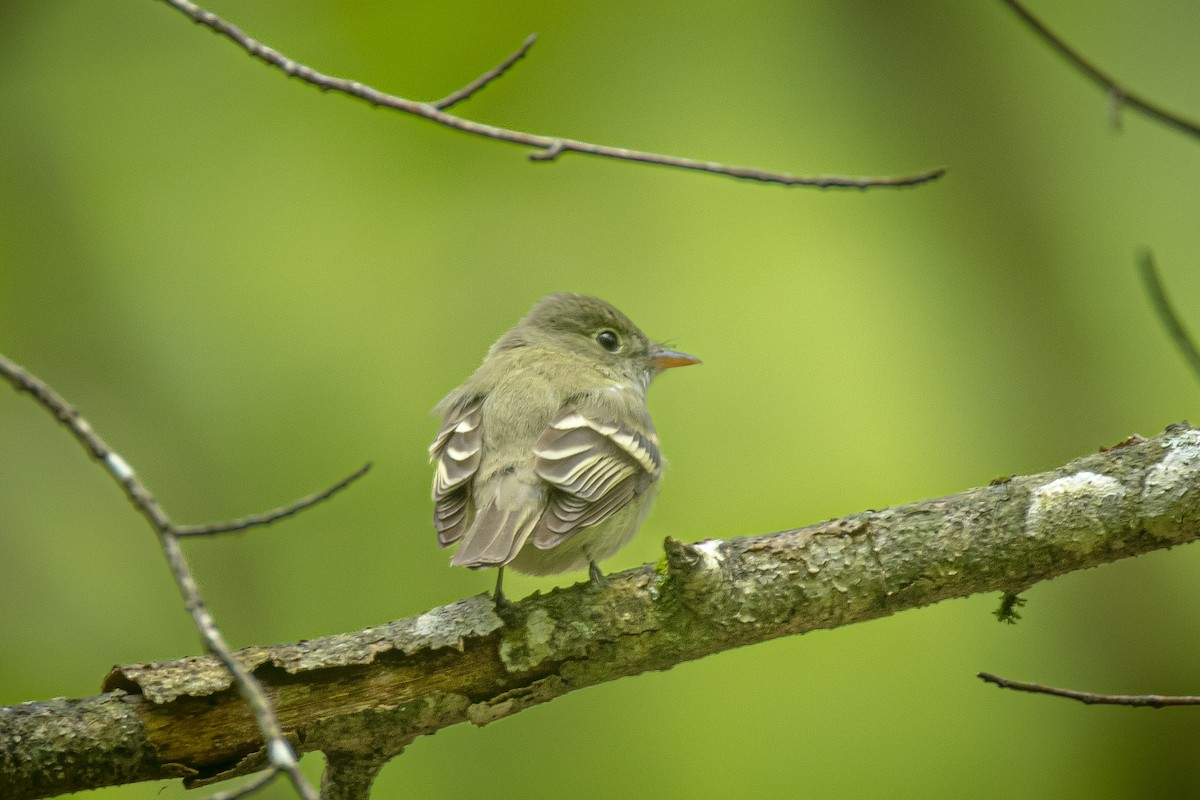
<point x="250" y="288"/>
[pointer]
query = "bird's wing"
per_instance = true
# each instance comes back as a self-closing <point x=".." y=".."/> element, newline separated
<point x="456" y="451"/>
<point x="596" y="466"/>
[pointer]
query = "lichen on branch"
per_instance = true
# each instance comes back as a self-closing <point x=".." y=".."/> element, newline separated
<point x="362" y="697"/>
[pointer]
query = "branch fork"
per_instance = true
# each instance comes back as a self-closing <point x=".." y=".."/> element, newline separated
<point x="546" y="148"/>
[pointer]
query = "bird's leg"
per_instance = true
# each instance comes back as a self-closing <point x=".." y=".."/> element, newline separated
<point x="594" y="573"/>
<point x="498" y="596"/>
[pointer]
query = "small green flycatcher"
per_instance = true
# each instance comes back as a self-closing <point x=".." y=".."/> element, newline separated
<point x="547" y="460"/>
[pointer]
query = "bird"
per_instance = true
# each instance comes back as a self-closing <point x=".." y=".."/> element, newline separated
<point x="547" y="460"/>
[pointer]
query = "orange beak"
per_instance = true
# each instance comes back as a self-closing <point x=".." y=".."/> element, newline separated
<point x="665" y="359"/>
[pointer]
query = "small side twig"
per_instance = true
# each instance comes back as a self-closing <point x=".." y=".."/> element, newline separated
<point x="549" y="154"/>
<point x="546" y="146"/>
<point x="1187" y="346"/>
<point x="1090" y="698"/>
<point x="1166" y="312"/>
<point x="250" y="787"/>
<point x="1119" y="95"/>
<point x="280" y="755"/>
<point x="267" y="517"/>
<point x="454" y="98"/>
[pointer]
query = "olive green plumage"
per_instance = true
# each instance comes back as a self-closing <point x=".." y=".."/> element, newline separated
<point x="547" y="459"/>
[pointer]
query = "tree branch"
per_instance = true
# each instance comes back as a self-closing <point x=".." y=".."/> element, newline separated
<point x="1135" y="700"/>
<point x="454" y="98"/>
<point x="1167" y="315"/>
<point x="1119" y="95"/>
<point x="1187" y="346"/>
<point x="281" y="756"/>
<point x="268" y="517"/>
<point x="260" y="782"/>
<point x="364" y="696"/>
<point x="546" y="147"/>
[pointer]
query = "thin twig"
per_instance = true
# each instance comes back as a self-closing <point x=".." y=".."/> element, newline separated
<point x="1134" y="700"/>
<point x="248" y="788"/>
<point x="543" y="144"/>
<point x="280" y="755"/>
<point x="1118" y="94"/>
<point x="483" y="80"/>
<point x="1166" y="312"/>
<point x="267" y="517"/>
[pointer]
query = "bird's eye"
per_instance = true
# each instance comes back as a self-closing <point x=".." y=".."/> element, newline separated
<point x="609" y="341"/>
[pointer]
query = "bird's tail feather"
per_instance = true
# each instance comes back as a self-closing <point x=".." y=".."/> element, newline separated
<point x="496" y="535"/>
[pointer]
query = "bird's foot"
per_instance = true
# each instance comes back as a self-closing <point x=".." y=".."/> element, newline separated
<point x="502" y="602"/>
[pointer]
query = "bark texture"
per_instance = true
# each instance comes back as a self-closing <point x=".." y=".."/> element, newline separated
<point x="362" y="697"/>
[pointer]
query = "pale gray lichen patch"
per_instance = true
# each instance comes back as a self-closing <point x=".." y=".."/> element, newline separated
<point x="447" y="626"/>
<point x="827" y="553"/>
<point x="710" y="553"/>
<point x="526" y="647"/>
<point x="1078" y="509"/>
<point x="1169" y="480"/>
<point x="163" y="682"/>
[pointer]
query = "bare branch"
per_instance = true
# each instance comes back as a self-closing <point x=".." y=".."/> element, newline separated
<point x="549" y="144"/>
<point x="1118" y="95"/>
<point x="65" y="413"/>
<point x="1134" y="700"/>
<point x="280" y="754"/>
<point x="1166" y="312"/>
<point x="483" y="80"/>
<point x="267" y="517"/>
<point x="362" y="697"/>
<point x="249" y="788"/>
